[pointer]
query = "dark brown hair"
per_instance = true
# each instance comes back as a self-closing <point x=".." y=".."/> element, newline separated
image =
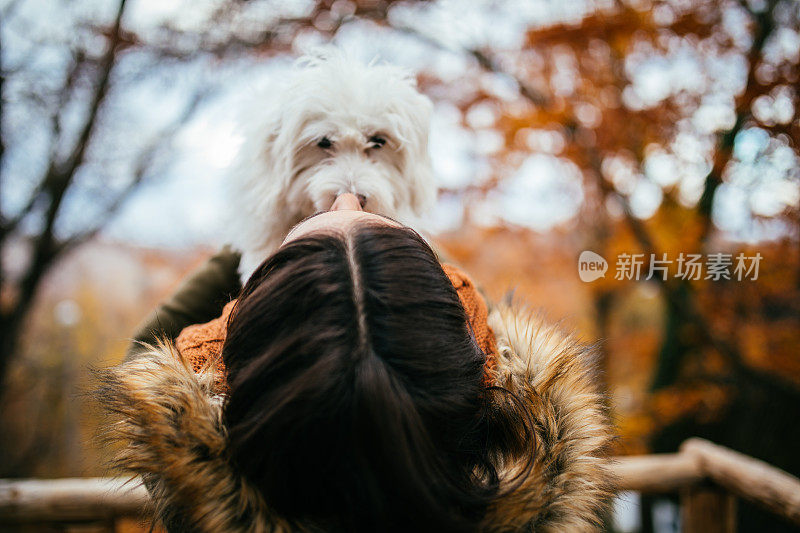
<point x="357" y="398"/>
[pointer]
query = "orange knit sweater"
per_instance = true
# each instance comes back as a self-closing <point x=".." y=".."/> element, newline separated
<point x="201" y="344"/>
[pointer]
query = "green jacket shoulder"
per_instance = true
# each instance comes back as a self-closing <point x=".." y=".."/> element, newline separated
<point x="199" y="298"/>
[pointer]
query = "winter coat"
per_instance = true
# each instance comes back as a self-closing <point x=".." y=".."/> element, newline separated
<point x="170" y="432"/>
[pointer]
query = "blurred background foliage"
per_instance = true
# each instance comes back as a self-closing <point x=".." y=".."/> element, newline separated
<point x="629" y="126"/>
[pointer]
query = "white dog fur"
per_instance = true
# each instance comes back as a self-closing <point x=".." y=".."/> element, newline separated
<point x="335" y="126"/>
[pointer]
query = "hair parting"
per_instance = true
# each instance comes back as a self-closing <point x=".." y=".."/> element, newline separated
<point x="357" y="397"/>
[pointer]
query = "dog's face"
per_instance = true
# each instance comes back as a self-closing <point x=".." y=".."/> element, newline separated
<point x="346" y="127"/>
<point x="346" y="153"/>
<point x="337" y="126"/>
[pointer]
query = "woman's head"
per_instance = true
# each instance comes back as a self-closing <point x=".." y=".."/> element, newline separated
<point x="357" y="398"/>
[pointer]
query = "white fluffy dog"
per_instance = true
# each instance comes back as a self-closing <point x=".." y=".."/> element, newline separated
<point x="336" y="126"/>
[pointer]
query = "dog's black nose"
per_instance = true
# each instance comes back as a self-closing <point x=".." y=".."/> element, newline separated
<point x="362" y="200"/>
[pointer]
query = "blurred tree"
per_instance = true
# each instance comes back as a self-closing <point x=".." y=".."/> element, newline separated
<point x="614" y="136"/>
<point x="75" y="107"/>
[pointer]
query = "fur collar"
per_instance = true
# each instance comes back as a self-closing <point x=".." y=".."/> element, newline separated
<point x="169" y="431"/>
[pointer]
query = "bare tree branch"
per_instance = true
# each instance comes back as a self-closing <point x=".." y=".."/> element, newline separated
<point x="764" y="26"/>
<point x="78" y="63"/>
<point x="3" y="222"/>
<point x="56" y="181"/>
<point x="2" y="115"/>
<point x="486" y="61"/>
<point x="41" y="189"/>
<point x="6" y="13"/>
<point x="141" y="170"/>
<point x="9" y="9"/>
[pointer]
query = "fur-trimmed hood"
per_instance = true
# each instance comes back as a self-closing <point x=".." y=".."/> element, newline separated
<point x="170" y="432"/>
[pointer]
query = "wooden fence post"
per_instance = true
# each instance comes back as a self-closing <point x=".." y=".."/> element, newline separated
<point x="708" y="509"/>
<point x="747" y="477"/>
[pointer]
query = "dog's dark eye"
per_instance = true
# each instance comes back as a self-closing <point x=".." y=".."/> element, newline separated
<point x="324" y="143"/>
<point x="377" y="141"/>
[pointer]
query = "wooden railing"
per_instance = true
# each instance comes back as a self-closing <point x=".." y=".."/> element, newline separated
<point x="708" y="477"/>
